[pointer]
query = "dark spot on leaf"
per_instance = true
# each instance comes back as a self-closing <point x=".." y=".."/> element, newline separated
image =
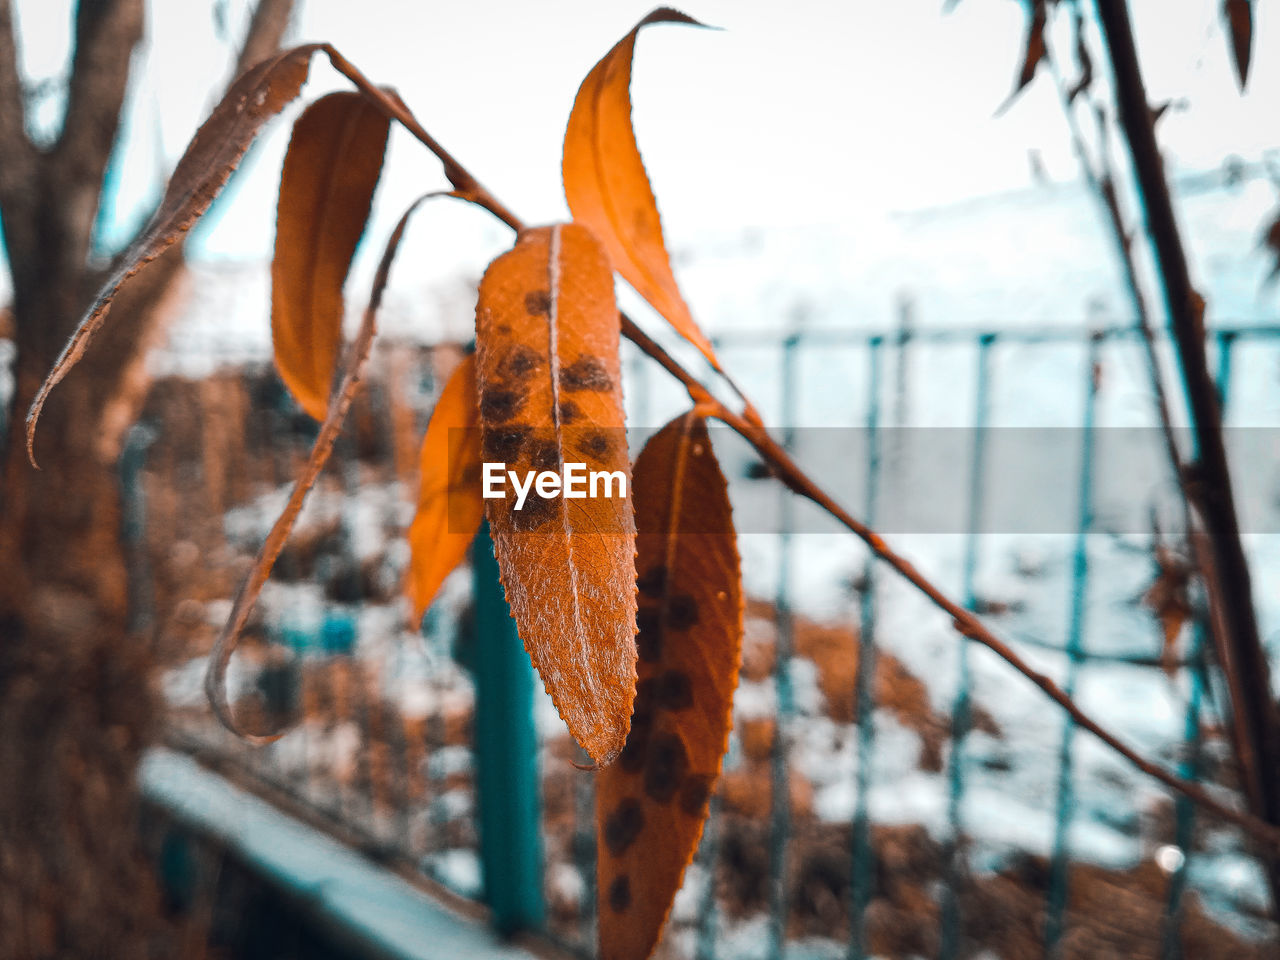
<point x="504" y="443"/>
<point x="682" y="612"/>
<point x="620" y="894"/>
<point x="569" y="411"/>
<point x="649" y="637"/>
<point x="623" y="826"/>
<point x="535" y="512"/>
<point x="519" y="363"/>
<point x="652" y="581"/>
<point x="632" y="757"/>
<point x="586" y="373"/>
<point x="645" y="696"/>
<point x="665" y="768"/>
<point x="674" y="691"/>
<point x="497" y="405"/>
<point x="597" y="445"/>
<point x="537" y="302"/>
<point x="695" y="793"/>
<point x="546" y="456"/>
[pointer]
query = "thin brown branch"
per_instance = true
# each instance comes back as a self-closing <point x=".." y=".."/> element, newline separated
<point x="1211" y="490"/>
<point x="1102" y="182"/>
<point x="790" y="473"/>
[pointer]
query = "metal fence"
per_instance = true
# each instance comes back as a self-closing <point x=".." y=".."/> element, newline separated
<point x="436" y="749"/>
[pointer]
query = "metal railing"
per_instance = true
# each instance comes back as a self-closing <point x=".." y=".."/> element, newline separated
<point x="437" y="750"/>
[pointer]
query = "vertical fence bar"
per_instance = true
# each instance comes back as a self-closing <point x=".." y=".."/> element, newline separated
<point x="506" y="754"/>
<point x="1058" y="880"/>
<point x="780" y="805"/>
<point x="950" y="946"/>
<point x="1222" y="381"/>
<point x="863" y="872"/>
<point x="1198" y="681"/>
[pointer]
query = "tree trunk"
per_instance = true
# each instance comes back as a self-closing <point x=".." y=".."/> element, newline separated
<point x="76" y="699"/>
<point x="77" y="704"/>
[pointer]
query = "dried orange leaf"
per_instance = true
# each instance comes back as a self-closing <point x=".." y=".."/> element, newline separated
<point x="215" y="679"/>
<point x="607" y="188"/>
<point x="212" y="155"/>
<point x="547" y="368"/>
<point x="449" y="504"/>
<point x="326" y="190"/>
<point x="652" y="803"/>
<point x="1239" y="17"/>
<point x="1169" y="599"/>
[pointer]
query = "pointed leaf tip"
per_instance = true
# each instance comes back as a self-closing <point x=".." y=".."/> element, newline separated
<point x="1239" y="17"/>
<point x="213" y="154"/>
<point x="1033" y="52"/>
<point x="608" y="189"/>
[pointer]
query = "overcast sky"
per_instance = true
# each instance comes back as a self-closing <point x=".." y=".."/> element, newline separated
<point x="839" y="110"/>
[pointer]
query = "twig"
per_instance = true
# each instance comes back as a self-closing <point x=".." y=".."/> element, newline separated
<point x="1213" y="498"/>
<point x="798" y="481"/>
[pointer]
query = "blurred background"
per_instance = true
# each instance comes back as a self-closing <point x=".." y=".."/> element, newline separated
<point x="877" y="238"/>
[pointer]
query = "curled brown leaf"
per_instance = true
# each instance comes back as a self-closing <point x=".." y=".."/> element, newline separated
<point x="210" y="158"/>
<point x="215" y="680"/>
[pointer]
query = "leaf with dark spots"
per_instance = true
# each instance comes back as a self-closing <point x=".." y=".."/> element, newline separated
<point x="607" y="188"/>
<point x="215" y="679"/>
<point x="568" y="566"/>
<point x="690" y="640"/>
<point x="1239" y="17"/>
<point x="450" y="507"/>
<point x="205" y="167"/>
<point x="326" y="191"/>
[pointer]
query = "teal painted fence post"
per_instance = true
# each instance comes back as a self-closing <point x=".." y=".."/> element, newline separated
<point x="506" y="752"/>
